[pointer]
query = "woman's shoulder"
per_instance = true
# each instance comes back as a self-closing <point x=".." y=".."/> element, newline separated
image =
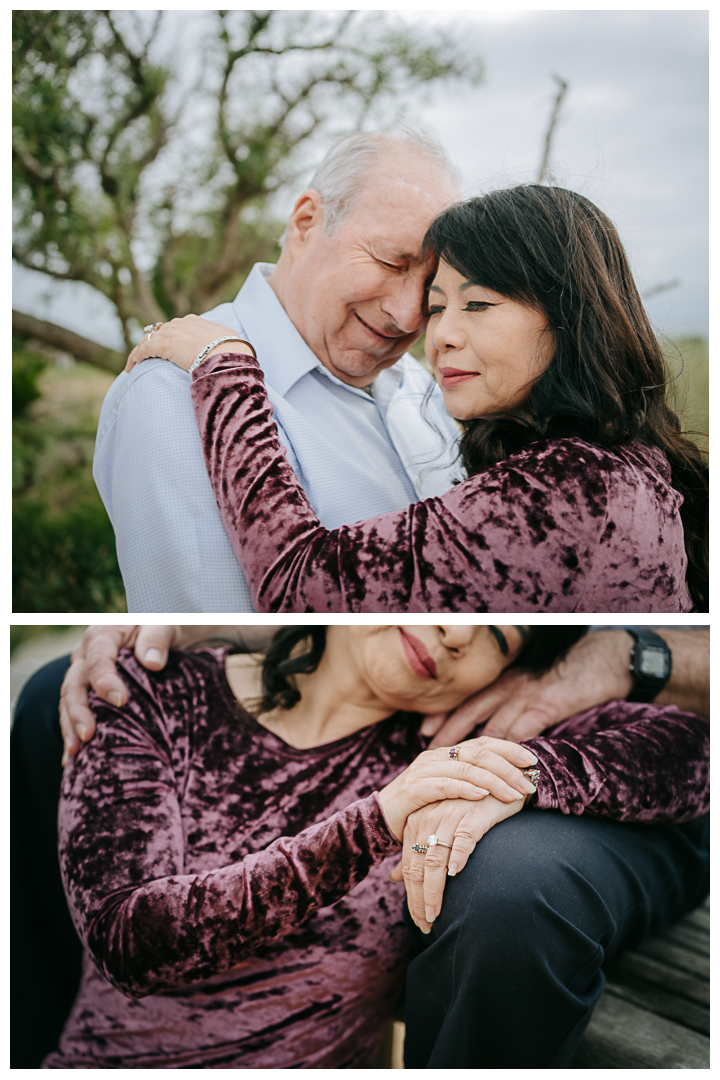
<point x="189" y="686"/>
<point x="562" y="462"/>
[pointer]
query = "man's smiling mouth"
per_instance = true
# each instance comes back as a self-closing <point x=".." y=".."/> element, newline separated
<point x="376" y="333"/>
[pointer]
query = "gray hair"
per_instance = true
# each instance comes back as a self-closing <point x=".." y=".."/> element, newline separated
<point x="340" y="177"/>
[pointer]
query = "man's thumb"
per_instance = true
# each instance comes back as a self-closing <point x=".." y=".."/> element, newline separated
<point x="152" y="646"/>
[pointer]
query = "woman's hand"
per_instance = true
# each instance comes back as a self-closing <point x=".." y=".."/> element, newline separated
<point x="483" y="766"/>
<point x="182" y="340"/>
<point x="454" y="821"/>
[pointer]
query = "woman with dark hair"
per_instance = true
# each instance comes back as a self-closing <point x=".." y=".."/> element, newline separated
<point x="222" y="836"/>
<point x="583" y="494"/>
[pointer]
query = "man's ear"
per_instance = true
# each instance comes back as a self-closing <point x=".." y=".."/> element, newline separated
<point x="307" y="217"/>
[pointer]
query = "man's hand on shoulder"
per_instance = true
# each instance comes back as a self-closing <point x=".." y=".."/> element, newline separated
<point x="518" y="706"/>
<point x="94" y="665"/>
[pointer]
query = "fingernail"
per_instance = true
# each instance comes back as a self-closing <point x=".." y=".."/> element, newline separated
<point x="82" y="731"/>
<point x="452" y="869"/>
<point x="519" y="795"/>
<point x="530" y="757"/>
<point x="64" y="758"/>
<point x="115" y="698"/>
<point x="430" y="914"/>
<point x="426" y="931"/>
<point x="153" y="656"/>
<point x="527" y="786"/>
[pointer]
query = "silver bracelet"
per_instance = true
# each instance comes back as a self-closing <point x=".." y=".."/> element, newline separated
<point x="218" y="341"/>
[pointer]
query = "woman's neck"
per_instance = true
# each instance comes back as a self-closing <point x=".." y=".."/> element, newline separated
<point x="334" y="700"/>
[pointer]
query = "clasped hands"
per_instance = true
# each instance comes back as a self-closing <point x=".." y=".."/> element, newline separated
<point x="455" y="799"/>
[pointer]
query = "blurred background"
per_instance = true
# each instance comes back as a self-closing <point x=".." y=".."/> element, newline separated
<point x="31" y="647"/>
<point x="157" y="154"/>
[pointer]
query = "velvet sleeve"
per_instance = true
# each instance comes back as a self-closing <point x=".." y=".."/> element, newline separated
<point x="519" y="537"/>
<point x="628" y="761"/>
<point x="149" y="925"/>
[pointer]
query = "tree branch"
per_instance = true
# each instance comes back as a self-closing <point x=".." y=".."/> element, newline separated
<point x="60" y="338"/>
<point x="563" y="86"/>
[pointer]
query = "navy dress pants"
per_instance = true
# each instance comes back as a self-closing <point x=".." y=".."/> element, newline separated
<point x="45" y="951"/>
<point x="511" y="971"/>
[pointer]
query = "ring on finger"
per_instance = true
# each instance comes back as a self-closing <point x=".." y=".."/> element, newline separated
<point x="421" y="848"/>
<point x="454" y="753"/>
<point x="151" y="328"/>
<point x="433" y="840"/>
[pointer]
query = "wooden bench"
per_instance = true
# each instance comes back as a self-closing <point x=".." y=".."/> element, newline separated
<point x="654" y="1012"/>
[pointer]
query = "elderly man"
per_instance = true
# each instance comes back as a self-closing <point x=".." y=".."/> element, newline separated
<point x="331" y="323"/>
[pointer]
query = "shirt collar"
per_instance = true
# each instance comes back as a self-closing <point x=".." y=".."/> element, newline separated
<point x="283" y="354"/>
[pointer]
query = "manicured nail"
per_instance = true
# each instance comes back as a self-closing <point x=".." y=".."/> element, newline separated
<point x="452" y="869"/>
<point x="64" y="758"/>
<point x="529" y="757"/>
<point x="115" y="697"/>
<point x="153" y="656"/>
<point x="82" y="731"/>
<point x="430" y="914"/>
<point x="518" y="795"/>
<point x="426" y="931"/>
<point x="527" y="786"/>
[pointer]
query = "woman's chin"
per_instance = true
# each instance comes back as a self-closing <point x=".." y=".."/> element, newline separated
<point x="461" y="413"/>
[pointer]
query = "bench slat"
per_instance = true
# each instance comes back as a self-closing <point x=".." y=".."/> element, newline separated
<point x="700" y="918"/>
<point x="623" y="1036"/>
<point x="690" y="937"/>
<point x="677" y="982"/>
<point x="676" y="956"/>
<point x="660" y="1001"/>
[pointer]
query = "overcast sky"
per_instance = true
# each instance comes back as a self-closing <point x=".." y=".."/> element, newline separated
<point x="632" y="136"/>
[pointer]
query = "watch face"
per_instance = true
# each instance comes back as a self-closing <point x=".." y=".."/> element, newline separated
<point x="653" y="662"/>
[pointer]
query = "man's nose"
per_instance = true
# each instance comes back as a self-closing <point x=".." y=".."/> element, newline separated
<point x="456" y="637"/>
<point x="404" y="303"/>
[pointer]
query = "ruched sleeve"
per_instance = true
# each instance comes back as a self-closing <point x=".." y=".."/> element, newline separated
<point x="151" y="926"/>
<point x="553" y="528"/>
<point x="628" y="761"/>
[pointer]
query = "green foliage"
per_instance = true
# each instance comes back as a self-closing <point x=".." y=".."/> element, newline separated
<point x="63" y="543"/>
<point x="64" y="562"/>
<point x="157" y="193"/>
<point x="26" y="367"/>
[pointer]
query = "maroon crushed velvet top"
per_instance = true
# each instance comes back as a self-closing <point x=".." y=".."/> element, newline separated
<point x="561" y="526"/>
<point x="232" y="892"/>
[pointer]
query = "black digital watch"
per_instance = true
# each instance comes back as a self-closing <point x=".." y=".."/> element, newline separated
<point x="650" y="664"/>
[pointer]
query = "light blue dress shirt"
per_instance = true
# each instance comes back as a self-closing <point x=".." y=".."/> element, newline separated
<point x="356" y="456"/>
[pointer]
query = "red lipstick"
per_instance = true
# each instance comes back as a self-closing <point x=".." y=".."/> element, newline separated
<point x="454" y="376"/>
<point x="417" y="655"/>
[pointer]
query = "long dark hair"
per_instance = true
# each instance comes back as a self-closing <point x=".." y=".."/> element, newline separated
<point x="607" y="381"/>
<point x="299" y="649"/>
